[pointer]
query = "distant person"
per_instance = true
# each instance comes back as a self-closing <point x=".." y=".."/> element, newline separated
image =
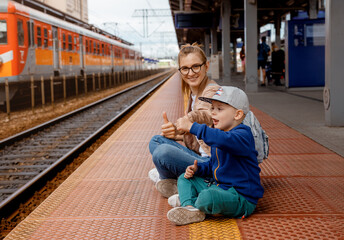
<point x="242" y="57"/>
<point x="277" y="64"/>
<point x="235" y="187"/>
<point x="263" y="53"/>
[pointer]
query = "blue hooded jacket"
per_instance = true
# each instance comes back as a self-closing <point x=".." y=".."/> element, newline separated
<point x="233" y="160"/>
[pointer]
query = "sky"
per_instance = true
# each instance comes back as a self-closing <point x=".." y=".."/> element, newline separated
<point x="116" y="16"/>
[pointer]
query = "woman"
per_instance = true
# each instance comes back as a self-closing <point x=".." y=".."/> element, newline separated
<point x="170" y="157"/>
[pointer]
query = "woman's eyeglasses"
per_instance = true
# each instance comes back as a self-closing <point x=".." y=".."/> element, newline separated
<point x="195" y="68"/>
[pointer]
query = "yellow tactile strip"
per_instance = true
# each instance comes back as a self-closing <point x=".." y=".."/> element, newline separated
<point x="215" y="228"/>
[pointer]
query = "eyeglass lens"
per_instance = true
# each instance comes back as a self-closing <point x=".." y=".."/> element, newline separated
<point x="194" y="68"/>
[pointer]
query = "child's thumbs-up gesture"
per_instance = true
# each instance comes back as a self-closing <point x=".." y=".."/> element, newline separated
<point x="190" y="170"/>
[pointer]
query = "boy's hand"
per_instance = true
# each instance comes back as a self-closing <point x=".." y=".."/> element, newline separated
<point x="184" y="124"/>
<point x="190" y="170"/>
<point x="168" y="130"/>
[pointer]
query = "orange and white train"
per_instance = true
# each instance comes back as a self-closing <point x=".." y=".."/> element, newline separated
<point x="33" y="43"/>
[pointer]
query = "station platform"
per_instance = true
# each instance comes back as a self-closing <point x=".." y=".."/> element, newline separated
<point x="111" y="197"/>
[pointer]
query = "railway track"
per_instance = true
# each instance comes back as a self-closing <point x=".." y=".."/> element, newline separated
<point x="29" y="159"/>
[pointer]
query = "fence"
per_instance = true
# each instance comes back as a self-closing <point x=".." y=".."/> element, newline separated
<point x="39" y="92"/>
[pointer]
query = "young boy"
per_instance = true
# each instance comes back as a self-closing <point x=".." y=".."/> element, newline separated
<point x="233" y="166"/>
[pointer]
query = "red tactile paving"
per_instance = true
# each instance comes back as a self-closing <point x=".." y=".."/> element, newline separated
<point x="304" y="189"/>
<point x="111" y="197"/>
<point x="326" y="164"/>
<point x="292" y="227"/>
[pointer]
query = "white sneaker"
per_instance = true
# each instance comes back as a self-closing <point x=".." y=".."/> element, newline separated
<point x="167" y="187"/>
<point x="185" y="215"/>
<point x="174" y="200"/>
<point x="153" y="174"/>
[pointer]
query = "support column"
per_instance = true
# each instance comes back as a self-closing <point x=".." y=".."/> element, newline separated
<point x="226" y="48"/>
<point x="214" y="60"/>
<point x="334" y="52"/>
<point x="206" y="44"/>
<point x="234" y="55"/>
<point x="278" y="31"/>
<point x="251" y="41"/>
<point x="213" y="38"/>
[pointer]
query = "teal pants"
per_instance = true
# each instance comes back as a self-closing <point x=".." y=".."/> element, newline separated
<point x="213" y="199"/>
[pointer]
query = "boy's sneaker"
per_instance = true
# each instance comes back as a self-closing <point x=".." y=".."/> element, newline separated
<point x="154" y="175"/>
<point x="174" y="200"/>
<point x="167" y="187"/>
<point x="185" y="215"/>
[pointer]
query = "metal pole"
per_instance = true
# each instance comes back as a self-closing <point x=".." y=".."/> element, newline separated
<point x="99" y="84"/>
<point x="32" y="95"/>
<point x="64" y="89"/>
<point x="7" y="92"/>
<point x="94" y="82"/>
<point x="52" y="90"/>
<point x="85" y="82"/>
<point x="76" y="85"/>
<point x="42" y="91"/>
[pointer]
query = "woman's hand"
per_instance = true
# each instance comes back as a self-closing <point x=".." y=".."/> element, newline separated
<point x="168" y="130"/>
<point x="184" y="124"/>
<point x="190" y="170"/>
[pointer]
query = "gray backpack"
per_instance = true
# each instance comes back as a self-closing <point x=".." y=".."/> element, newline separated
<point x="261" y="140"/>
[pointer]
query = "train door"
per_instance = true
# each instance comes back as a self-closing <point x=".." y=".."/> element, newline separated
<point x="82" y="60"/>
<point x="56" y="50"/>
<point x="22" y="43"/>
<point x="31" y="47"/>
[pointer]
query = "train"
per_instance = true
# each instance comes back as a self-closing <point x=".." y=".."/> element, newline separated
<point x="34" y="44"/>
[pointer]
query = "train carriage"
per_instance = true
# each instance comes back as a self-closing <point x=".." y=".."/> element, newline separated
<point x="35" y="44"/>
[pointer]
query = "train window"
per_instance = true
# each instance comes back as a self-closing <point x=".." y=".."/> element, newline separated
<point x="63" y="41"/>
<point x="20" y="30"/>
<point x="90" y="48"/>
<point x="75" y="43"/>
<point x="3" y="32"/>
<point x="103" y="49"/>
<point x="70" y="42"/>
<point x="29" y="32"/>
<point x="45" y="34"/>
<point x="94" y="48"/>
<point x="86" y="46"/>
<point x="98" y="48"/>
<point x="39" y="37"/>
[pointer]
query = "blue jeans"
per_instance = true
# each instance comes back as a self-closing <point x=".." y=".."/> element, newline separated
<point x="171" y="158"/>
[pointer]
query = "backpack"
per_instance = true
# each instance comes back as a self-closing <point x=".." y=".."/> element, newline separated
<point x="261" y="140"/>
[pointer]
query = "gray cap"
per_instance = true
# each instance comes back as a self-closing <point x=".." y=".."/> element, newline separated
<point x="233" y="96"/>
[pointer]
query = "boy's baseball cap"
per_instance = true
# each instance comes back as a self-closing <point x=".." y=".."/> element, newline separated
<point x="233" y="96"/>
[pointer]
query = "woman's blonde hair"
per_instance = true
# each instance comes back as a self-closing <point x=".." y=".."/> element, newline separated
<point x="184" y="51"/>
